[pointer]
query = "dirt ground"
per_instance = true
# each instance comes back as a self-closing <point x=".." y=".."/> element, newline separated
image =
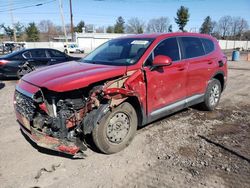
<point x="191" y="148"/>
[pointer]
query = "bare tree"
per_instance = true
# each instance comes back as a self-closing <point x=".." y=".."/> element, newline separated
<point x="47" y="29"/>
<point x="45" y="25"/>
<point x="215" y="30"/>
<point x="135" y="25"/>
<point x="224" y="26"/>
<point x="158" y="25"/>
<point x="239" y="25"/>
<point x="100" y="29"/>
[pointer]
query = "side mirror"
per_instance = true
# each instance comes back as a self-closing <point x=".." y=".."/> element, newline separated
<point x="162" y="60"/>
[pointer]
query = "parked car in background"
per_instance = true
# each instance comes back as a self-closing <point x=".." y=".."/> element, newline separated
<point x="122" y="85"/>
<point x="10" y="46"/>
<point x="73" y="48"/>
<point x="21" y="62"/>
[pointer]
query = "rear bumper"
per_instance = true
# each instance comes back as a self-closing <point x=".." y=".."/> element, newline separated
<point x="48" y="142"/>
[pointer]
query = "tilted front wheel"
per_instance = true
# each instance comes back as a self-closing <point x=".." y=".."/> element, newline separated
<point x="116" y="129"/>
<point x="212" y="95"/>
<point x="21" y="72"/>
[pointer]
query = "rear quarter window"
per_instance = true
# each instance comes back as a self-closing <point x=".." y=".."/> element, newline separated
<point x="192" y="47"/>
<point x="27" y="55"/>
<point x="208" y="45"/>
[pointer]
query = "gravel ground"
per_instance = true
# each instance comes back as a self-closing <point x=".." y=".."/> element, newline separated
<point x="191" y="148"/>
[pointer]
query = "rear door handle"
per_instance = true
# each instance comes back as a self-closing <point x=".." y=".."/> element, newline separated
<point x="53" y="60"/>
<point x="181" y="68"/>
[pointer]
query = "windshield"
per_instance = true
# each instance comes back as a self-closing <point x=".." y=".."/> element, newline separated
<point x="126" y="51"/>
<point x="72" y="46"/>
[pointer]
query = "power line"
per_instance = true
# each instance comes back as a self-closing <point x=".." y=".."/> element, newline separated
<point x="18" y="3"/>
<point x="23" y="7"/>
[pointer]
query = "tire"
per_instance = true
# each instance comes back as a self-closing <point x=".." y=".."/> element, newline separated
<point x="212" y="95"/>
<point x="20" y="74"/>
<point x="106" y="138"/>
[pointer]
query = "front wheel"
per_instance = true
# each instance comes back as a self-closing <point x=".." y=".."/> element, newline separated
<point x="21" y="72"/>
<point x="116" y="129"/>
<point x="212" y="95"/>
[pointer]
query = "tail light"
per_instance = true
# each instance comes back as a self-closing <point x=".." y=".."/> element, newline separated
<point x="3" y="62"/>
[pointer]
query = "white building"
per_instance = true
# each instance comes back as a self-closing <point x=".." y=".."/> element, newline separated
<point x="89" y="41"/>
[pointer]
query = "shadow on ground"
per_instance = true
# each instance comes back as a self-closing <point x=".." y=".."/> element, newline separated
<point x="2" y="85"/>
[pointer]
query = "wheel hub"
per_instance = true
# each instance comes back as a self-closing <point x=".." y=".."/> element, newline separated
<point x="118" y="127"/>
<point x="214" y="95"/>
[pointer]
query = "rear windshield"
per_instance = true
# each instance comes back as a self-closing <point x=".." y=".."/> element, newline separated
<point x="15" y="53"/>
<point x="126" y="51"/>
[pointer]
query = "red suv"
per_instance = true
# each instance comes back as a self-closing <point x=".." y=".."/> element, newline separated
<point x="125" y="83"/>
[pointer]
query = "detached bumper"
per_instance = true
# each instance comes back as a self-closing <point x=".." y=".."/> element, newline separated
<point x="49" y="142"/>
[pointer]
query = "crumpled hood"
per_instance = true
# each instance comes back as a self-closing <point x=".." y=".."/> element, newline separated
<point x="72" y="75"/>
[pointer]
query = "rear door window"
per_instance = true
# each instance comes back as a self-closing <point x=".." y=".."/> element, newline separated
<point x="55" y="53"/>
<point x="168" y="47"/>
<point x="192" y="47"/>
<point x="38" y="53"/>
<point x="208" y="45"/>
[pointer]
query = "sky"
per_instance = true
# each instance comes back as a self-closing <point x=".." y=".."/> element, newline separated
<point x="105" y="12"/>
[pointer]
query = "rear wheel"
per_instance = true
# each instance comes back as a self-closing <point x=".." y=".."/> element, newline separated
<point x="116" y="129"/>
<point x="212" y="95"/>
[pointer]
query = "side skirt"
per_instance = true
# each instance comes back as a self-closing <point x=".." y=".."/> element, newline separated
<point x="177" y="106"/>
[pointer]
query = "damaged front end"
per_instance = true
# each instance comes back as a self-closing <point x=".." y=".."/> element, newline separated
<point x="56" y="120"/>
<point x="60" y="120"/>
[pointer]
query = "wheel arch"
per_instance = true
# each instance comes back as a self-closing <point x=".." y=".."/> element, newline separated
<point x="134" y="101"/>
<point x="220" y="76"/>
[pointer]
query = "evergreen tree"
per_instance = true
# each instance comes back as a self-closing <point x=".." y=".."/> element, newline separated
<point x="79" y="27"/>
<point x="110" y="29"/>
<point x="10" y="31"/>
<point x="182" y="17"/>
<point x="170" y="29"/>
<point x="32" y="32"/>
<point x="207" y="26"/>
<point x="119" y="26"/>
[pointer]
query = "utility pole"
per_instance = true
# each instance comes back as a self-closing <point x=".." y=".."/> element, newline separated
<point x="12" y="19"/>
<point x="71" y="21"/>
<point x="63" y="24"/>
